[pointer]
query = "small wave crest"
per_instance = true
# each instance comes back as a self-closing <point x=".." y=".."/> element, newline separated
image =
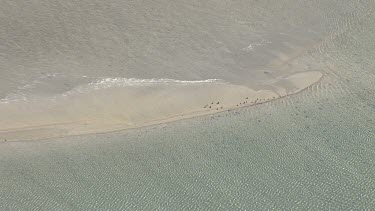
<point x="13" y="98"/>
<point x="122" y="82"/>
<point x="105" y="83"/>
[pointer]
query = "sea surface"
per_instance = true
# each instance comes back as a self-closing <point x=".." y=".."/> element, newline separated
<point x="311" y="151"/>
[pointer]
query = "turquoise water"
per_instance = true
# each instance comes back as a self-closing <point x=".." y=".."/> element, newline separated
<point x="311" y="151"/>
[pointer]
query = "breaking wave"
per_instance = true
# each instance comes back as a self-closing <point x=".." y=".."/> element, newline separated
<point x="136" y="82"/>
<point x="22" y="94"/>
<point x="121" y="82"/>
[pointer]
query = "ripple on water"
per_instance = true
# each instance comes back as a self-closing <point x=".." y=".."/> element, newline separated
<point x="314" y="150"/>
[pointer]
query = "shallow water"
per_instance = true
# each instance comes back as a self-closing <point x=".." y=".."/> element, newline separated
<point x="314" y="150"/>
<point x="243" y="42"/>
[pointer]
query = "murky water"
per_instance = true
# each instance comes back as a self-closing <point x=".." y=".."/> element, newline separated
<point x="314" y="150"/>
<point x="245" y="42"/>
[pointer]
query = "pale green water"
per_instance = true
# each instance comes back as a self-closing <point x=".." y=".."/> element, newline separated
<point x="314" y="150"/>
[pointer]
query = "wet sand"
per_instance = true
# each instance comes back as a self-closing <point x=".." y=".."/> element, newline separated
<point x="121" y="108"/>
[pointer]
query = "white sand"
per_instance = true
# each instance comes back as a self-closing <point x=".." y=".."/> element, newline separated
<point x="130" y="107"/>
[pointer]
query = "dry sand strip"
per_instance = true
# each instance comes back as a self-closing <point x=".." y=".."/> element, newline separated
<point x="132" y="107"/>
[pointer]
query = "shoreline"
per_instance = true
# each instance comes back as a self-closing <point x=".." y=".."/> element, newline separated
<point x="62" y="129"/>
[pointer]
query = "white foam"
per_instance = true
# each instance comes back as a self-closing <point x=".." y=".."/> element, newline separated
<point x="105" y="83"/>
<point x="13" y="98"/>
<point x="19" y="93"/>
<point x="252" y="46"/>
<point x="122" y="82"/>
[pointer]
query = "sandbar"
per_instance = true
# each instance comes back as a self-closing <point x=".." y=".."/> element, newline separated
<point x="123" y="108"/>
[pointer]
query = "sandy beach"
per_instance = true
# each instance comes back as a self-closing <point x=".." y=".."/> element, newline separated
<point x="121" y="108"/>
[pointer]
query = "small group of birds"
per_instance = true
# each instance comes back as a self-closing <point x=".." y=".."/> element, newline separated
<point x="241" y="103"/>
<point x="211" y="106"/>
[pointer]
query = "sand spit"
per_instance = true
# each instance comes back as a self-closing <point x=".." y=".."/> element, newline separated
<point x="118" y="108"/>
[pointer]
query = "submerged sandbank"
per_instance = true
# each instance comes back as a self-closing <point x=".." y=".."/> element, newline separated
<point x="116" y="108"/>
